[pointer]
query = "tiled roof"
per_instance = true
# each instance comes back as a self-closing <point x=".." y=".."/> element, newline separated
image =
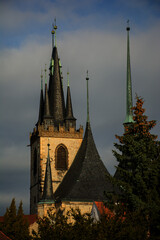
<point x="87" y="178"/>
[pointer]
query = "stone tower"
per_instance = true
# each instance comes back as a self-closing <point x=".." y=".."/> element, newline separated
<point x="55" y="140"/>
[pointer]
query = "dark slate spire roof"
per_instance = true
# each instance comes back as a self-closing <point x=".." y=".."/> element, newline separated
<point x="69" y="110"/>
<point x="56" y="96"/>
<point x="41" y="105"/>
<point x="48" y="190"/>
<point x="46" y="104"/>
<point x="87" y="178"/>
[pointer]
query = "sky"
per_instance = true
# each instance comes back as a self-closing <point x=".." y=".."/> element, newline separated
<point x="91" y="36"/>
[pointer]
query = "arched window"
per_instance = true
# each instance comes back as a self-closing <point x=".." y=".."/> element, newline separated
<point x="61" y="157"/>
<point x="35" y="162"/>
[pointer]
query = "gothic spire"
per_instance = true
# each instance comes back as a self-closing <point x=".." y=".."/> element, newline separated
<point x="56" y="95"/>
<point x="41" y="107"/>
<point x="48" y="189"/>
<point x="129" y="104"/>
<point x="87" y="79"/>
<point x="46" y="102"/>
<point x="70" y="120"/>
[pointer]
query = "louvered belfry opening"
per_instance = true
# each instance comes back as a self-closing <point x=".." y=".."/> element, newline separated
<point x="61" y="158"/>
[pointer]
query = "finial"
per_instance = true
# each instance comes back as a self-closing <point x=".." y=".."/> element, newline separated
<point x="52" y="32"/>
<point x="55" y="28"/>
<point x="87" y="78"/>
<point x="128" y="28"/>
<point x="68" y="78"/>
<point x="45" y="74"/>
<point x="41" y="79"/>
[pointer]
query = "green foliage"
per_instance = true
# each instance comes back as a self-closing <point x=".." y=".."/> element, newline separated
<point x="14" y="225"/>
<point x="59" y="227"/>
<point x="138" y="171"/>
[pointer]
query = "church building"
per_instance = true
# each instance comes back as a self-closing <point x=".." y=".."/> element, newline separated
<point x="66" y="169"/>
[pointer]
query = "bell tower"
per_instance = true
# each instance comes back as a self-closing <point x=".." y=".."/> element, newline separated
<point x="55" y="140"/>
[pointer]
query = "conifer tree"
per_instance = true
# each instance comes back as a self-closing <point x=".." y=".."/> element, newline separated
<point x="10" y="220"/>
<point x="21" y="225"/>
<point x="14" y="225"/>
<point x="138" y="171"/>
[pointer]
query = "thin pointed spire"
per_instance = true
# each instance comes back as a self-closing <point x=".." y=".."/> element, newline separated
<point x="87" y="79"/>
<point x="41" y="79"/>
<point x="129" y="103"/>
<point x="45" y="70"/>
<point x="48" y="189"/>
<point x="68" y="79"/>
<point x="70" y="119"/>
<point x="46" y="102"/>
<point x="41" y="104"/>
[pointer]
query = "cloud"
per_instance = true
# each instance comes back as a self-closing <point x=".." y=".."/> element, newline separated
<point x="101" y="50"/>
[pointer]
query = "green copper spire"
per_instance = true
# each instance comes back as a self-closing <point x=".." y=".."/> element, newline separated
<point x="87" y="79"/>
<point x="41" y="79"/>
<point x="55" y="28"/>
<point x="67" y="79"/>
<point x="129" y="104"/>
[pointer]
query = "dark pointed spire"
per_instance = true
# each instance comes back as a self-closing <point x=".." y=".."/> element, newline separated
<point x="129" y="104"/>
<point x="87" y="178"/>
<point x="48" y="189"/>
<point x="41" y="105"/>
<point x="56" y="95"/>
<point x="87" y="79"/>
<point x="70" y="119"/>
<point x="46" y="102"/>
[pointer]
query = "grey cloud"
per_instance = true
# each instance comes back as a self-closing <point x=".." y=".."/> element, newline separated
<point x="103" y="53"/>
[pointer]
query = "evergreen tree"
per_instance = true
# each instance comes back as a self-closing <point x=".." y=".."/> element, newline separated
<point x="10" y="220"/>
<point x="138" y="171"/>
<point x="21" y="225"/>
<point x="14" y="225"/>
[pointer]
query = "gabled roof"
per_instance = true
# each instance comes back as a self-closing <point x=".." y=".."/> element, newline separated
<point x="87" y="178"/>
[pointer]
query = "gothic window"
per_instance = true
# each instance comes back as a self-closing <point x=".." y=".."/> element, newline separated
<point x="61" y="157"/>
<point x="35" y="162"/>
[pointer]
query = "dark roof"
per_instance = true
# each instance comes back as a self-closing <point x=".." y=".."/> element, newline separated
<point x="41" y="108"/>
<point x="46" y="104"/>
<point x="69" y="110"/>
<point x="56" y="95"/>
<point x="3" y="236"/>
<point x="87" y="178"/>
<point x="48" y="189"/>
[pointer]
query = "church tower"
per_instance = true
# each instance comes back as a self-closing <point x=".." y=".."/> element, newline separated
<point x="55" y="140"/>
